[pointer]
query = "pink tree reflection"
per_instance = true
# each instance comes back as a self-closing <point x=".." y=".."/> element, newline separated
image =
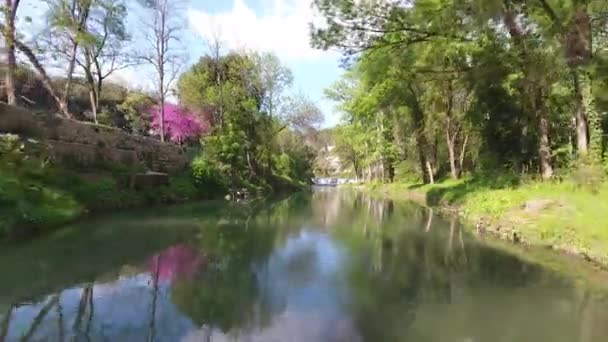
<point x="175" y="263"/>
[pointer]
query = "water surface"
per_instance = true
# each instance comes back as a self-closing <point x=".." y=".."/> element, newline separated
<point x="327" y="266"/>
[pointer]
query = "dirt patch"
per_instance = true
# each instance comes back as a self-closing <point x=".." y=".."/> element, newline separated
<point x="535" y="206"/>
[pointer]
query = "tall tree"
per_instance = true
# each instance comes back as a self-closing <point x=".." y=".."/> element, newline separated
<point x="104" y="53"/>
<point x="160" y="31"/>
<point x="68" y="31"/>
<point x="10" y="13"/>
<point x="276" y="79"/>
<point x="41" y="72"/>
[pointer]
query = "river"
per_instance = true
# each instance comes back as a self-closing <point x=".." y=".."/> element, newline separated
<point x="331" y="265"/>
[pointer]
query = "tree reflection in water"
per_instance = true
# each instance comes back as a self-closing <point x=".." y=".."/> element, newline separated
<point x="327" y="266"/>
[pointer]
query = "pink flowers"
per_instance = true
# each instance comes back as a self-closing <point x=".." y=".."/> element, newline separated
<point x="180" y="124"/>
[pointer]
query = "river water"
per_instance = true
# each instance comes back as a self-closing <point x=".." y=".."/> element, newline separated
<point x="330" y="265"/>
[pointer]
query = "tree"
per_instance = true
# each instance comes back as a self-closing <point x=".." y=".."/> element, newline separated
<point x="179" y="124"/>
<point x="103" y="54"/>
<point x="10" y="13"/>
<point x="45" y="79"/>
<point x="161" y="33"/>
<point x="235" y="92"/>
<point x="276" y="79"/>
<point x="423" y="70"/>
<point x="300" y="113"/>
<point x="136" y="108"/>
<point x="351" y="146"/>
<point x="68" y="21"/>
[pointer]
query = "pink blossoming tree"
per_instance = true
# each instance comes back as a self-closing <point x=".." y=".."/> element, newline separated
<point x="180" y="124"/>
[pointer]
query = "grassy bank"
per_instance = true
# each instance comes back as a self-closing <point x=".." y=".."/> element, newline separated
<point x="37" y="196"/>
<point x="561" y="215"/>
<point x="42" y="199"/>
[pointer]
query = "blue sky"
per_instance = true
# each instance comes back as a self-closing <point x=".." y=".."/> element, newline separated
<point x="278" y="26"/>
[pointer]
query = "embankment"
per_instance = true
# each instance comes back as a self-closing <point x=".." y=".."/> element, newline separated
<point x="54" y="170"/>
<point x="560" y="215"/>
<point x="86" y="145"/>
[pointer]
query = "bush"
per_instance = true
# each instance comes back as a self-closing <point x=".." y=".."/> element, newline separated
<point x="98" y="195"/>
<point x="27" y="202"/>
<point x="283" y="164"/>
<point x="407" y="171"/>
<point x="207" y="177"/>
<point x="181" y="188"/>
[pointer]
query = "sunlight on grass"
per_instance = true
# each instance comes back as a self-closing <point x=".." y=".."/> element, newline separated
<point x="574" y="218"/>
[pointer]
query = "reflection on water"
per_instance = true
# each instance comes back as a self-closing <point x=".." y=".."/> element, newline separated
<point x="327" y="266"/>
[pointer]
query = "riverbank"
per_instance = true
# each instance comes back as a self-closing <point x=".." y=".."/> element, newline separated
<point x="561" y="216"/>
<point x="37" y="196"/>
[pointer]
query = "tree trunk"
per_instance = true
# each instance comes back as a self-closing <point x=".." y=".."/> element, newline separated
<point x="544" y="149"/>
<point x="429" y="169"/>
<point x="83" y="16"/>
<point x="162" y="118"/>
<point x="93" y="105"/>
<point x="421" y="142"/>
<point x="91" y="83"/>
<point x="463" y="151"/>
<point x="390" y="171"/>
<point x="69" y="73"/>
<point x="582" y="127"/>
<point x="46" y="80"/>
<point x="451" y="140"/>
<point x="98" y="83"/>
<point x="451" y="153"/>
<point x="9" y="38"/>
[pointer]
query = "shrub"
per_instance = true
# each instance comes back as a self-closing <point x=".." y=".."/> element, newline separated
<point x="407" y="172"/>
<point x="283" y="164"/>
<point x="27" y="202"/>
<point x="183" y="188"/>
<point x="207" y="176"/>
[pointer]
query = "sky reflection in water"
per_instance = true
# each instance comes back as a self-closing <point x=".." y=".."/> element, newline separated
<point x="331" y="266"/>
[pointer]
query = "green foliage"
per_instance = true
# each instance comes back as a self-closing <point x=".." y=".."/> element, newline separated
<point x="258" y="133"/>
<point x="457" y="87"/>
<point x="207" y="176"/>
<point x="27" y="202"/>
<point x="135" y="108"/>
<point x="36" y="195"/>
<point x="283" y="164"/>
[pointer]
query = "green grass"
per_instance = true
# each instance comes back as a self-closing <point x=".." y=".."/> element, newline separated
<point x="37" y="197"/>
<point x="575" y="220"/>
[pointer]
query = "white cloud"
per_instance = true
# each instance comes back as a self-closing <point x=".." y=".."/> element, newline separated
<point x="281" y="28"/>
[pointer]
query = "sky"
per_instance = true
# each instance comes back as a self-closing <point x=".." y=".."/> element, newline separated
<point x="278" y="26"/>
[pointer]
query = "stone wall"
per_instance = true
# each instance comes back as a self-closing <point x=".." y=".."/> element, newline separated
<point x="70" y="141"/>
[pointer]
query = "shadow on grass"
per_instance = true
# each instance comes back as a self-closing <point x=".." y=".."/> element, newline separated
<point x="443" y="194"/>
<point x="448" y="195"/>
<point x="415" y="186"/>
